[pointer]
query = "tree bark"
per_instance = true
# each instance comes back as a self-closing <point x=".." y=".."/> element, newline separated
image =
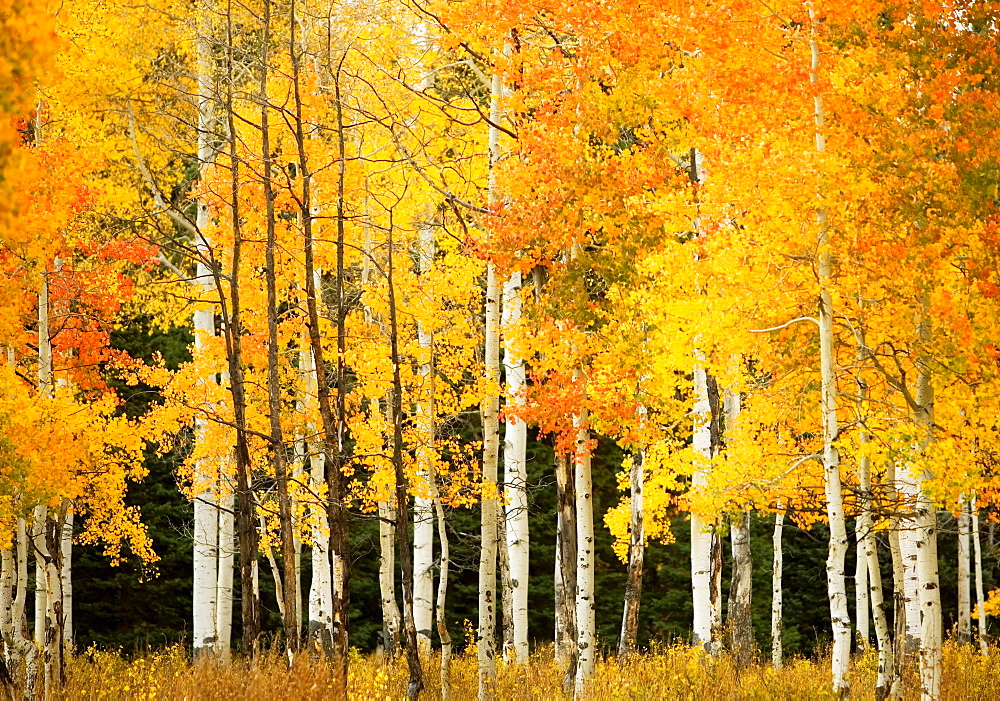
<point x="636" y="551"/>
<point x="963" y="632"/>
<point x="565" y="605"/>
<point x="515" y="476"/>
<point x="702" y="533"/>
<point x="739" y="619"/>
<point x="776" y="591"/>
<point x="416" y="680"/>
<point x="279" y="457"/>
<point x="977" y="550"/>
<point x="926" y="522"/>
<point x="486" y="639"/>
<point x="586" y="607"/>
<point x="836" y="585"/>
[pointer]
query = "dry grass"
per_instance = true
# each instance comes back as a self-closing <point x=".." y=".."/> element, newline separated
<point x="669" y="673"/>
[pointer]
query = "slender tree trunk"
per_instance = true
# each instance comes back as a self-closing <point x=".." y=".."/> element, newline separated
<point x="423" y="506"/>
<point x="565" y="605"/>
<point x="776" y="591"/>
<point x="423" y="568"/>
<point x="387" y="579"/>
<point x="586" y="607"/>
<point x="416" y="681"/>
<point x="836" y="585"/>
<point x="861" y="594"/>
<point x="515" y="476"/>
<point x="279" y="457"/>
<point x="506" y="587"/>
<point x="321" y="587"/>
<point x="963" y="633"/>
<point x="636" y="551"/>
<point x="486" y="639"/>
<point x="926" y="522"/>
<point x="488" y="531"/>
<point x="702" y="534"/>
<point x="224" y="584"/>
<point x="442" y="598"/>
<point x="66" y="578"/>
<point x="739" y="620"/>
<point x="233" y="327"/>
<point x="977" y="550"/>
<point x="206" y="535"/>
<point x="25" y="647"/>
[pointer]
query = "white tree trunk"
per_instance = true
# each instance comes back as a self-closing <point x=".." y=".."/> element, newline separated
<point x="926" y="522"/>
<point x="867" y="546"/>
<point x="908" y="537"/>
<point x="224" y="583"/>
<point x="515" y="477"/>
<point x="740" y="619"/>
<point x="836" y="584"/>
<point x="387" y="578"/>
<point x="776" y="591"/>
<point x="423" y="506"/>
<point x="486" y="639"/>
<point x="586" y="607"/>
<point x="861" y="593"/>
<point x="977" y="549"/>
<point x="701" y="533"/>
<point x="636" y="555"/>
<point x="206" y="518"/>
<point x="66" y="578"/>
<point x="320" y="624"/>
<point x="964" y="630"/>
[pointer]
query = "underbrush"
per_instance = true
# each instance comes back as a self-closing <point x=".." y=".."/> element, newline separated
<point x="678" y="672"/>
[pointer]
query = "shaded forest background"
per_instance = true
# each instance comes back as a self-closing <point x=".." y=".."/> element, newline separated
<point x="134" y="611"/>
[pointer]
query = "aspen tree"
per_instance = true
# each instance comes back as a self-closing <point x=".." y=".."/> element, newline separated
<point x="963" y="632"/>
<point x="515" y="476"/>
<point x="206" y="517"/>
<point x="586" y="607"/>
<point x="279" y="458"/>
<point x="636" y="549"/>
<point x="926" y="520"/>
<point x="839" y="614"/>
<point x="777" y="566"/>
<point x="977" y="549"/>
<point x="739" y="619"/>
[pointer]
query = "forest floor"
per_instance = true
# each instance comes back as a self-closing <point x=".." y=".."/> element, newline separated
<point x="678" y="672"/>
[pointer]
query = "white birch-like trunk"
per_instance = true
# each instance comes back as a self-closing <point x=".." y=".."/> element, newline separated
<point x="777" y="566"/>
<point x="320" y="624"/>
<point x="926" y="522"/>
<point x="739" y="616"/>
<point x="977" y="549"/>
<point x="836" y="581"/>
<point x="636" y="555"/>
<point x="206" y="519"/>
<point x="515" y="477"/>
<point x="66" y="578"/>
<point x="964" y="628"/>
<point x="702" y="534"/>
<point x="21" y="645"/>
<point x="908" y="536"/>
<point x="224" y="581"/>
<point x="861" y="593"/>
<point x="423" y="506"/>
<point x="868" y="549"/>
<point x="586" y="607"/>
<point x="486" y="639"/>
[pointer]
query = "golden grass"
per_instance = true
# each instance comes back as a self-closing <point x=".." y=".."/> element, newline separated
<point x="677" y="672"/>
